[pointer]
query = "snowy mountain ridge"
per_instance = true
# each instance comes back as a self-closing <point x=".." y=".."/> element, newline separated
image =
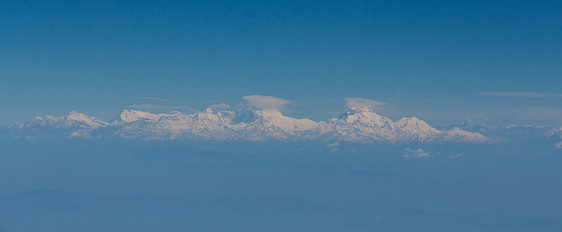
<point x="355" y="125"/>
<point x="73" y="120"/>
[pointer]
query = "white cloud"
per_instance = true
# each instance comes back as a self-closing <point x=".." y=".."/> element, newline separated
<point x="266" y="102"/>
<point x="80" y="134"/>
<point x="150" y="106"/>
<point x="334" y="144"/>
<point x="358" y="102"/>
<point x="520" y="94"/>
<point x="415" y="153"/>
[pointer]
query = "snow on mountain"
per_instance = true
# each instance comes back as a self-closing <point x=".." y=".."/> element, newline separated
<point x="356" y="125"/>
<point x="359" y="125"/>
<point x="365" y="126"/>
<point x="73" y="120"/>
<point x="128" y="116"/>
<point x="510" y="132"/>
<point x="458" y="135"/>
<point x="211" y="125"/>
<point x="74" y="125"/>
<point x="272" y="124"/>
<point x="139" y="124"/>
<point x="413" y="128"/>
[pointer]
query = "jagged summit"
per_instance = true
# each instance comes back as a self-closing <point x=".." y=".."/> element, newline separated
<point x="416" y="127"/>
<point x="288" y="124"/>
<point x="72" y="120"/>
<point x="128" y="116"/>
<point x="361" y="124"/>
<point x="363" y="115"/>
<point x="355" y="125"/>
<point x="458" y="135"/>
<point x="86" y="121"/>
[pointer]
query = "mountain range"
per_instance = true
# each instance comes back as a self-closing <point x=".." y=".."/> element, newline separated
<point x="355" y="125"/>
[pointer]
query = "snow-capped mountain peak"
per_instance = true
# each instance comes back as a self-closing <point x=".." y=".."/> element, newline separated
<point x="287" y="124"/>
<point x="458" y="135"/>
<point x="355" y="125"/>
<point x="415" y="125"/>
<point x="361" y="115"/>
<point x="366" y="126"/>
<point x="86" y="121"/>
<point x="129" y="116"/>
<point x="73" y="120"/>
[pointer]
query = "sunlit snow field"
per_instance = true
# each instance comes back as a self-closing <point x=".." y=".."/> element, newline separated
<point x="97" y="185"/>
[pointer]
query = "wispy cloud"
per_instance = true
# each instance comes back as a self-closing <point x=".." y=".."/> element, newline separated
<point x="520" y="94"/>
<point x="358" y="102"/>
<point x="266" y="102"/>
<point x="221" y="105"/>
<point x="415" y="153"/>
<point x="154" y="98"/>
<point x="334" y="144"/>
<point x="164" y="107"/>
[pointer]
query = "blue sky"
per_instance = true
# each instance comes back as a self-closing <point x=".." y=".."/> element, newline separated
<point x="442" y="61"/>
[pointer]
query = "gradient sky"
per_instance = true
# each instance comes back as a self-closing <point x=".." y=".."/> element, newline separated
<point x="443" y="61"/>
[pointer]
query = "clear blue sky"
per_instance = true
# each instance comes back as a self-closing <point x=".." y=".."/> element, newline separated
<point x="439" y="60"/>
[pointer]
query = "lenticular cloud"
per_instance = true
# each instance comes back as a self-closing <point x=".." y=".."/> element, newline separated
<point x="357" y="102"/>
<point x="266" y="102"/>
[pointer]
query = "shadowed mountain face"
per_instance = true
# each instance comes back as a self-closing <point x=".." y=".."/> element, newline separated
<point x="356" y="125"/>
